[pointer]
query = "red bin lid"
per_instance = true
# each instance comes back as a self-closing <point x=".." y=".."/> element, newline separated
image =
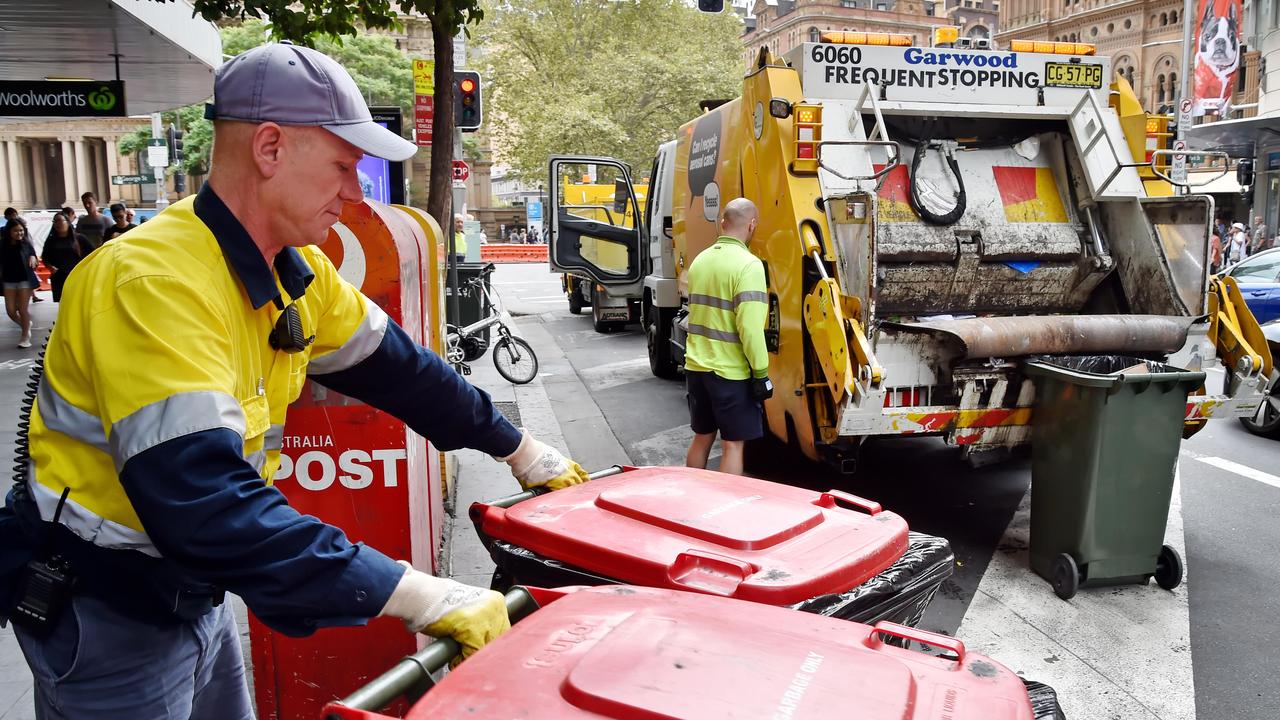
<point x="648" y="654"/>
<point x="708" y="532"/>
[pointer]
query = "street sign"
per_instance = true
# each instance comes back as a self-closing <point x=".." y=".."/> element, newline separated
<point x="157" y="153"/>
<point x="461" y="170"/>
<point x="424" y="101"/>
<point x="534" y="209"/>
<point x="132" y="179"/>
<point x="1184" y="116"/>
<point x="1178" y="167"/>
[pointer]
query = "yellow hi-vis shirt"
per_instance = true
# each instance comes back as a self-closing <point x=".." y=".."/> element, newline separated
<point x="156" y="339"/>
<point x="728" y="306"/>
<point x="459" y="243"/>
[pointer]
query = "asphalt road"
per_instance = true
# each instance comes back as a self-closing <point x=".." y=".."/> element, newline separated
<point x="1229" y="489"/>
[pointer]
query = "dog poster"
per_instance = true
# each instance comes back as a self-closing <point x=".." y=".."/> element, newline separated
<point x="1217" y="43"/>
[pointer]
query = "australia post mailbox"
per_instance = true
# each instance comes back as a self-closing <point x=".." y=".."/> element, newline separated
<point x="360" y="469"/>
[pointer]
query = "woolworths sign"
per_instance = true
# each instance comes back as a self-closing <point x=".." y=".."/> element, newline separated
<point x="48" y="98"/>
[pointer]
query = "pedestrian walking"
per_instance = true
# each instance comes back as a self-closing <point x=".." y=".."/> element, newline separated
<point x="1215" y="252"/>
<point x="160" y="415"/>
<point x="18" y="272"/>
<point x="63" y="250"/>
<point x="12" y="215"/>
<point x="92" y="224"/>
<point x="1238" y="246"/>
<point x="122" y="224"/>
<point x="1261" y="240"/>
<point x="726" y="362"/>
<point x="459" y="240"/>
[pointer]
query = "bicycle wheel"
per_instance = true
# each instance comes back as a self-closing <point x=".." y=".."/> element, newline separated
<point x="515" y="360"/>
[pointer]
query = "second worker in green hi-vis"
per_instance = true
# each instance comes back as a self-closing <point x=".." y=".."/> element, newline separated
<point x="726" y="363"/>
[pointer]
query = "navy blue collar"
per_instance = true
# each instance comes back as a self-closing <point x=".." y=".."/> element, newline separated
<point x="245" y="257"/>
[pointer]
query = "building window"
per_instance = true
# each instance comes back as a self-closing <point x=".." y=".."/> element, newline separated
<point x="1093" y="31"/>
<point x="849" y="3"/>
<point x="1128" y="23"/>
<point x="882" y="6"/>
<point x="1128" y="75"/>
<point x="1160" y="88"/>
<point x="928" y="8"/>
<point x="1164" y="19"/>
<point x="1111" y="27"/>
<point x="1173" y="86"/>
<point x="1173" y="17"/>
<point x="814" y="35"/>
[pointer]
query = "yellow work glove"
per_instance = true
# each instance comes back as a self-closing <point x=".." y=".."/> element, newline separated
<point x="440" y="607"/>
<point x="536" y="464"/>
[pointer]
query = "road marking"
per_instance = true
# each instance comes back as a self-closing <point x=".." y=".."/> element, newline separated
<point x="1238" y="469"/>
<point x="17" y="364"/>
<point x="667" y="448"/>
<point x="541" y="297"/>
<point x="623" y="372"/>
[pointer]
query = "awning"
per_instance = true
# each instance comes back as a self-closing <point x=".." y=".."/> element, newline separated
<point x="1237" y="138"/>
<point x="167" y="54"/>
<point x="1220" y="185"/>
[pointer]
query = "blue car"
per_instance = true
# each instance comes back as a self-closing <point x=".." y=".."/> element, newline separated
<point x="1259" y="279"/>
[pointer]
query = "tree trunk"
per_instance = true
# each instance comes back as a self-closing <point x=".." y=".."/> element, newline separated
<point x="440" y="188"/>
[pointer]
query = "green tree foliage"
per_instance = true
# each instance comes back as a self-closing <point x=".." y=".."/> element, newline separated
<point x="311" y="21"/>
<point x="601" y="78"/>
<point x="380" y="70"/>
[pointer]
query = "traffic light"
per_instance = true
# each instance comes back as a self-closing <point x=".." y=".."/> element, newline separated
<point x="468" y="109"/>
<point x="175" y="145"/>
<point x="711" y="6"/>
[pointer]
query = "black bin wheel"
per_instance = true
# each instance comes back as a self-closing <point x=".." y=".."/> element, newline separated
<point x="501" y="581"/>
<point x="1066" y="576"/>
<point x="1169" y="568"/>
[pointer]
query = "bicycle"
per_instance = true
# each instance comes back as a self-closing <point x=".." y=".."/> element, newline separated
<point x="512" y="356"/>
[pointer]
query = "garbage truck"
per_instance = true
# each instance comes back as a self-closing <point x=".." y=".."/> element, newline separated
<point x="605" y="202"/>
<point x="931" y="218"/>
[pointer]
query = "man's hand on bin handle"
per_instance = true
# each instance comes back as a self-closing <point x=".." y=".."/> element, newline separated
<point x="440" y="607"/>
<point x="536" y="464"/>
<point x="761" y="389"/>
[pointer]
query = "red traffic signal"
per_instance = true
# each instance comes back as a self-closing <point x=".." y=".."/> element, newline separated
<point x="467" y="110"/>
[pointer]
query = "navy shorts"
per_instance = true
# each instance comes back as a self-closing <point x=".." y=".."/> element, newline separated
<point x="723" y="405"/>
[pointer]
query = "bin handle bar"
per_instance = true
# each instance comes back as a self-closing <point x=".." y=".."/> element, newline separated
<point x="507" y="502"/>
<point x="924" y="637"/>
<point x="834" y="498"/>
<point x="416" y="669"/>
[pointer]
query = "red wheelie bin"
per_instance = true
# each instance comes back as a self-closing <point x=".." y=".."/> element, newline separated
<point x="829" y="553"/>
<point x="630" y="652"/>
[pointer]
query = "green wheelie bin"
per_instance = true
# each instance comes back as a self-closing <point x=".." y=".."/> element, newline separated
<point x="1105" y="440"/>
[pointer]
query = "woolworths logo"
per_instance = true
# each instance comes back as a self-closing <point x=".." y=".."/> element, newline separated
<point x="61" y="98"/>
<point x="103" y="99"/>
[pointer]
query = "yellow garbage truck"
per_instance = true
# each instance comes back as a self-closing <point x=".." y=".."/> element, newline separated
<point x="929" y="218"/>
<point x="608" y="203"/>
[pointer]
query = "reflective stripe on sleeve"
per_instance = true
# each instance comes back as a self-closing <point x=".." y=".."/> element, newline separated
<point x="750" y="296"/>
<point x="274" y="438"/>
<point x="707" y="332"/>
<point x="63" y="417"/>
<point x="85" y="523"/>
<point x="175" y="416"/>
<point x="711" y="301"/>
<point x="258" y="460"/>
<point x="366" y="338"/>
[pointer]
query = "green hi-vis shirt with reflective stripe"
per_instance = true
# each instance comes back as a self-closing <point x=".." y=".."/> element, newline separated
<point x="728" y="305"/>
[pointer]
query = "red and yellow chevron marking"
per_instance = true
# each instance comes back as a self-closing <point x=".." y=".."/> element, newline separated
<point x="1029" y="194"/>
<point x="939" y="419"/>
<point x="892" y="204"/>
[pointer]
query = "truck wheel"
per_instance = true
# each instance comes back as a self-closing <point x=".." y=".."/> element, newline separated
<point x="658" y="339"/>
<point x="1266" y="422"/>
<point x="601" y="326"/>
<point x="575" y="301"/>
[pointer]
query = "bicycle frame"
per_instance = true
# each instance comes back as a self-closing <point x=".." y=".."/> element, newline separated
<point x="498" y="316"/>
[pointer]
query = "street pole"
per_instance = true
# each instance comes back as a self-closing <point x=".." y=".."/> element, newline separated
<point x="162" y="195"/>
<point x="458" y="198"/>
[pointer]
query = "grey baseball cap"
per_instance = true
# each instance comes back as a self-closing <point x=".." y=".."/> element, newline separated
<point x="293" y="85"/>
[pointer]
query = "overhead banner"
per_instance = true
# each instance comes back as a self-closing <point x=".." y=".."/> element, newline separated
<point x="1217" y="45"/>
<point x="424" y="91"/>
<point x="61" y="98"/>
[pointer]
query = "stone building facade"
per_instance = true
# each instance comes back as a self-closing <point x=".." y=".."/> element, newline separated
<point x="47" y="164"/>
<point x="789" y="23"/>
